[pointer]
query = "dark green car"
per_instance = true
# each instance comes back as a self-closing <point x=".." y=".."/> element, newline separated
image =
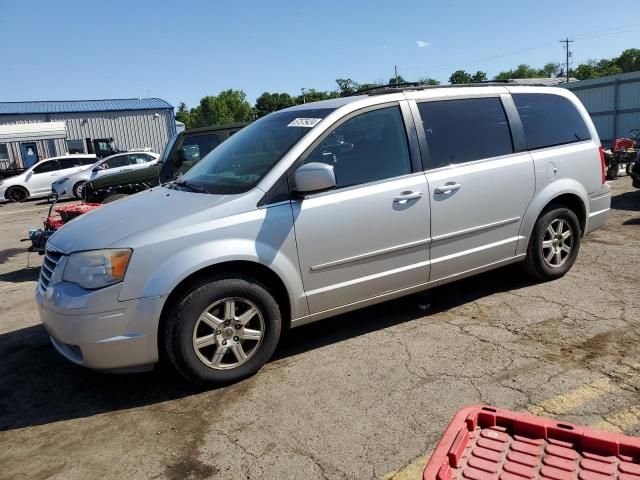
<point x="181" y="153"/>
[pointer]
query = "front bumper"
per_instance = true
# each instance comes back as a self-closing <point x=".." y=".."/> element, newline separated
<point x="93" y="329"/>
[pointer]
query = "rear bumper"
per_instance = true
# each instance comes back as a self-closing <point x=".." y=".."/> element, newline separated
<point x="599" y="207"/>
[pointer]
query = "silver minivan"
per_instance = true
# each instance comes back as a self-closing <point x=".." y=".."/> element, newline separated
<point x="320" y="209"/>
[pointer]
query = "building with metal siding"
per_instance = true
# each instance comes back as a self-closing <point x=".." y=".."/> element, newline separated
<point x="613" y="103"/>
<point x="133" y="123"/>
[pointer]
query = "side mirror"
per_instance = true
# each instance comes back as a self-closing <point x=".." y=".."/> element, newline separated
<point x="179" y="158"/>
<point x="314" y="177"/>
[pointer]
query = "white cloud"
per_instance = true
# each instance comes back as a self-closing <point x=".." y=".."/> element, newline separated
<point x="422" y="44"/>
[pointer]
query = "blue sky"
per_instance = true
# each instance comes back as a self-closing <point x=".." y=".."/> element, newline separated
<point x="181" y="51"/>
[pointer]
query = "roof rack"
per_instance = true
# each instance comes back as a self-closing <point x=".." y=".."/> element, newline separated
<point x="404" y="87"/>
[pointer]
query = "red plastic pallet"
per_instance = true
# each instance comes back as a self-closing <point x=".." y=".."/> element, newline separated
<point x="487" y="443"/>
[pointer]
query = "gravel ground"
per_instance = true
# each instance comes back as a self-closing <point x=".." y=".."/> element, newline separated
<point x="364" y="395"/>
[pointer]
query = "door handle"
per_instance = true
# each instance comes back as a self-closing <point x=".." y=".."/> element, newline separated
<point x="404" y="197"/>
<point x="447" y="188"/>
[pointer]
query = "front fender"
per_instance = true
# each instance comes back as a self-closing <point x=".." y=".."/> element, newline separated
<point x="562" y="186"/>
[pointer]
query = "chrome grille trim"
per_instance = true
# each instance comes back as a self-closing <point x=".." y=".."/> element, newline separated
<point x="49" y="264"/>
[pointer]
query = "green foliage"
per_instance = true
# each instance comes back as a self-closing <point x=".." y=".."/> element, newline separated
<point x="428" y="81"/>
<point x="550" y="70"/>
<point x="183" y="115"/>
<point x="229" y="106"/>
<point x="460" y="76"/>
<point x="397" y="80"/>
<point x="629" y="60"/>
<point x="313" y="95"/>
<point x="479" y="76"/>
<point x="271" y="102"/>
<point x="522" y="71"/>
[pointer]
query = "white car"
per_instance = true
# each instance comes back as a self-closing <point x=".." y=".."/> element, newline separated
<point x="36" y="180"/>
<point x="73" y="185"/>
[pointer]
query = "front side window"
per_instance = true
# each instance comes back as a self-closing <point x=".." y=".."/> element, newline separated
<point x="45" y="167"/>
<point x="75" y="146"/>
<point x="240" y="162"/>
<point x="115" y="162"/>
<point x="549" y="120"/>
<point x="465" y="130"/>
<point x="369" y="147"/>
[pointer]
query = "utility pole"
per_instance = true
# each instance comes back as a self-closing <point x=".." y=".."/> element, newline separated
<point x="395" y="68"/>
<point x="304" y="100"/>
<point x="566" y="42"/>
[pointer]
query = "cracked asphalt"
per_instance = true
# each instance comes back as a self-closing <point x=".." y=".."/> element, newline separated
<point x="365" y="395"/>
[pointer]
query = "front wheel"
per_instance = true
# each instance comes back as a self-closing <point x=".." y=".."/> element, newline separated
<point x="222" y="330"/>
<point x="78" y="190"/>
<point x="554" y="244"/>
<point x="17" y="194"/>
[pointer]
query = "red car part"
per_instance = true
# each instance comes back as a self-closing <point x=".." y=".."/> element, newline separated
<point x="487" y="443"/>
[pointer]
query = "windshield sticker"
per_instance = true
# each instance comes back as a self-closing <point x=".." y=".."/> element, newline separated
<point x="305" y="122"/>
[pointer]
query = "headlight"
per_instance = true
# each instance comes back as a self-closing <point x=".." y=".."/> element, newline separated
<point x="97" y="268"/>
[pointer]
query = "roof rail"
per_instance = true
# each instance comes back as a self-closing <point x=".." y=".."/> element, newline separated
<point x="403" y="87"/>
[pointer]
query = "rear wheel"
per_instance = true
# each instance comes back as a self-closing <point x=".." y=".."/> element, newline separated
<point x="222" y="330"/>
<point x="17" y="194"/>
<point x="554" y="244"/>
<point x="114" y="197"/>
<point x="78" y="190"/>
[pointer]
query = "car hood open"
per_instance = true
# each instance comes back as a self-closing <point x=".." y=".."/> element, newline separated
<point x="107" y="225"/>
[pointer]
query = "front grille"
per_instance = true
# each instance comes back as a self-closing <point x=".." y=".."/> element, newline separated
<point x="49" y="264"/>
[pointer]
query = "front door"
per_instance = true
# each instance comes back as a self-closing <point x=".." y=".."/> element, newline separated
<point x="479" y="187"/>
<point x="29" y="154"/>
<point x="369" y="236"/>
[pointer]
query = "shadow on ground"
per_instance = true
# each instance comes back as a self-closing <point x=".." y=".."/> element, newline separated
<point x="629" y="201"/>
<point x="38" y="386"/>
<point x="19" y="276"/>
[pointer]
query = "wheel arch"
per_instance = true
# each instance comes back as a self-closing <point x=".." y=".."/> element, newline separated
<point x="270" y="279"/>
<point x="12" y="187"/>
<point x="566" y="192"/>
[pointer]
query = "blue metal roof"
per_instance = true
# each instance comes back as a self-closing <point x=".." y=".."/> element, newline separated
<point x="76" y="106"/>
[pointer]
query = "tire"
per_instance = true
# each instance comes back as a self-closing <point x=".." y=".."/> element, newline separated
<point x="78" y="190"/>
<point x="218" y="361"/>
<point x="629" y="167"/>
<point x="114" y="197"/>
<point x="537" y="262"/>
<point x="17" y="194"/>
<point x="612" y="172"/>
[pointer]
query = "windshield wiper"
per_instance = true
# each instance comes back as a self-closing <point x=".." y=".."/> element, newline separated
<point x="191" y="186"/>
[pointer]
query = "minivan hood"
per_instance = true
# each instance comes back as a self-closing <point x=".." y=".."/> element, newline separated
<point x="115" y="221"/>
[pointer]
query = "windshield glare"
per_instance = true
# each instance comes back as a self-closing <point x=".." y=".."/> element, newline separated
<point x="240" y="162"/>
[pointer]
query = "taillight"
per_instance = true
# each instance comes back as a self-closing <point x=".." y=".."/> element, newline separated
<point x="604" y="167"/>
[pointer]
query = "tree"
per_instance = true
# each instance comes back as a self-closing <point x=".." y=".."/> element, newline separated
<point x="313" y="95"/>
<point x="183" y="115"/>
<point x="550" y="70"/>
<point x="478" y="77"/>
<point x="229" y="106"/>
<point x="428" y="81"/>
<point x="629" y="60"/>
<point x="271" y="102"/>
<point x="397" y="80"/>
<point x="523" y="71"/>
<point x="347" y="86"/>
<point x="460" y="76"/>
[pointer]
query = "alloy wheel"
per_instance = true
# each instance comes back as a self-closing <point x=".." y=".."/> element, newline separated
<point x="228" y="333"/>
<point x="557" y="243"/>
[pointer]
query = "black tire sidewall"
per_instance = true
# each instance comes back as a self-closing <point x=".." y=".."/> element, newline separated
<point x="611" y="173"/>
<point x="75" y="189"/>
<point x="535" y="255"/>
<point x="24" y="194"/>
<point x="184" y="315"/>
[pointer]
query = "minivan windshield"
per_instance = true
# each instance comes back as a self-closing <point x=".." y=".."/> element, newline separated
<point x="239" y="163"/>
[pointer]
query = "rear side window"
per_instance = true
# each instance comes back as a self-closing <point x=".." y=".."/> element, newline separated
<point x="549" y="120"/>
<point x="115" y="162"/>
<point x="465" y="130"/>
<point x="69" y="163"/>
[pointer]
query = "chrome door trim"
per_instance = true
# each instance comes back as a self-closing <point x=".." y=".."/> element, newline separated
<point x="479" y="228"/>
<point x="296" y="322"/>
<point x="477" y="249"/>
<point x="375" y="253"/>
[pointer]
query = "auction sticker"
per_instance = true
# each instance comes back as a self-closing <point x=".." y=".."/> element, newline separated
<point x="305" y="122"/>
